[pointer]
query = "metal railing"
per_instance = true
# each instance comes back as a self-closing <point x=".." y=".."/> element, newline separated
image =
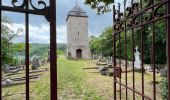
<point x="125" y="20"/>
<point x="49" y="12"/>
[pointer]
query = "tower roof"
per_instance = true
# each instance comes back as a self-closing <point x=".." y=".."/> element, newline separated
<point x="77" y="12"/>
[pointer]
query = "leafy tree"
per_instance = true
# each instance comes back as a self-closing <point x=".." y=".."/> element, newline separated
<point x="102" y="6"/>
<point x="7" y="36"/>
<point x="103" y="44"/>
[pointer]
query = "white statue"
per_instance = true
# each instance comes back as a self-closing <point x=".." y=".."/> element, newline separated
<point x="137" y="63"/>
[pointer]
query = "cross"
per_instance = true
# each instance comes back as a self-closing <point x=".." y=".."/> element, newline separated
<point x="136" y="48"/>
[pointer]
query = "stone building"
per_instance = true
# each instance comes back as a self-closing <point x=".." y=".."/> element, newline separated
<point x="77" y="34"/>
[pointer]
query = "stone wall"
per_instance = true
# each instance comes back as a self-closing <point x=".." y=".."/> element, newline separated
<point x="77" y="37"/>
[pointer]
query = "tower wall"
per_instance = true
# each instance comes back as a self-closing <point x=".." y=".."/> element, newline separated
<point x="77" y="37"/>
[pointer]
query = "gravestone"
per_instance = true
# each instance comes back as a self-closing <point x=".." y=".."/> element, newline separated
<point x="48" y="60"/>
<point x="137" y="63"/>
<point x="7" y="68"/>
<point x="103" y="70"/>
<point x="163" y="72"/>
<point x="148" y="68"/>
<point x="35" y="63"/>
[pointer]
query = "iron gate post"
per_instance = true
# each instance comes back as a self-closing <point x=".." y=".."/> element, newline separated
<point x="168" y="48"/>
<point x="53" y="55"/>
<point x="0" y="53"/>
<point x="114" y="53"/>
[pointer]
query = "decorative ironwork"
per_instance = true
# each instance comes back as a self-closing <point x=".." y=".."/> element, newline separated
<point x="22" y="6"/>
<point x="138" y="15"/>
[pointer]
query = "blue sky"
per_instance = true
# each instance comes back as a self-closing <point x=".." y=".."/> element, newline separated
<point x="39" y="27"/>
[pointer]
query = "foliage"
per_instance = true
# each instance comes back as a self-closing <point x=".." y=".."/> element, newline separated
<point x="61" y="46"/>
<point x="60" y="52"/>
<point x="7" y="36"/>
<point x="164" y="87"/>
<point x="40" y="50"/>
<point x="103" y="44"/>
<point x="102" y="6"/>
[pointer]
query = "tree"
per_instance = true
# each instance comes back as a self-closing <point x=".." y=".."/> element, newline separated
<point x="102" y="44"/>
<point x="102" y="6"/>
<point x="7" y="36"/>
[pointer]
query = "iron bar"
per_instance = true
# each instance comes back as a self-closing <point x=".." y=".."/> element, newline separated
<point x="129" y="23"/>
<point x="27" y="50"/>
<point x="133" y="73"/>
<point x="114" y="91"/>
<point x="142" y="49"/>
<point x="153" y="57"/>
<point x="144" y="23"/>
<point x="19" y="10"/>
<point x="125" y="50"/>
<point x="1" y="51"/>
<point x="168" y="48"/>
<point x="138" y="92"/>
<point x="120" y="66"/>
<point x="142" y="11"/>
<point x="53" y="54"/>
<point x="36" y="11"/>
<point x="133" y="63"/>
<point x="114" y="36"/>
<point x="114" y="53"/>
<point x="153" y="61"/>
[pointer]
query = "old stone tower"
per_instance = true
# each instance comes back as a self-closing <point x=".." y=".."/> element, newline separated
<point x="77" y="34"/>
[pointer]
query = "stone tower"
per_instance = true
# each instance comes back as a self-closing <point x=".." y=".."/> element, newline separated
<point x="77" y="34"/>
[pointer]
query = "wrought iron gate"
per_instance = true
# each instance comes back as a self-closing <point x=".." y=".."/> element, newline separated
<point x="128" y="17"/>
<point x="49" y="12"/>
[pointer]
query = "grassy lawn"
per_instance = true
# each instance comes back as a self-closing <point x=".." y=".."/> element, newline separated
<point x="72" y="81"/>
<point x="75" y="83"/>
<point x="39" y="88"/>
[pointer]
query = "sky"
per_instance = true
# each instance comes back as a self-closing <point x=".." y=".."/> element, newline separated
<point x="39" y="27"/>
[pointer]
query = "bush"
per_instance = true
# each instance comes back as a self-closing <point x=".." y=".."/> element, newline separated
<point x="164" y="87"/>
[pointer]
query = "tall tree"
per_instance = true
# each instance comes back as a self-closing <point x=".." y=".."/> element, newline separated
<point x="102" y="6"/>
<point x="7" y="36"/>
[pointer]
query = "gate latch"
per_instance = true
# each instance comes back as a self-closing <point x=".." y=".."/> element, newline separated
<point x="117" y="72"/>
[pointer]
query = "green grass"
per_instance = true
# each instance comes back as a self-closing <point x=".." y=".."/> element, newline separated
<point x="39" y="90"/>
<point x="72" y="81"/>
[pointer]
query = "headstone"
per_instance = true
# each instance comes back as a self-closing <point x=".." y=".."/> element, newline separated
<point x="137" y="63"/>
<point x="7" y="68"/>
<point x="163" y="72"/>
<point x="48" y="60"/>
<point x="148" y="68"/>
<point x="35" y="63"/>
<point x="103" y="70"/>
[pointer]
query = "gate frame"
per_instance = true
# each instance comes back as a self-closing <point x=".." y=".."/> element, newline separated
<point x="50" y="13"/>
<point x="122" y="25"/>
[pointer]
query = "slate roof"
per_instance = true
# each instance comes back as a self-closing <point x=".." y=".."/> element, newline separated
<point x="76" y="11"/>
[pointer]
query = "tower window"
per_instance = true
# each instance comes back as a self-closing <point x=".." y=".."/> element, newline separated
<point x="78" y="33"/>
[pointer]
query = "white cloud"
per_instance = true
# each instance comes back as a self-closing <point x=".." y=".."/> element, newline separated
<point x="39" y="34"/>
<point x="62" y="34"/>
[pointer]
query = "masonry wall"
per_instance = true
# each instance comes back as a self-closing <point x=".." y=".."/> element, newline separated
<point x="77" y="37"/>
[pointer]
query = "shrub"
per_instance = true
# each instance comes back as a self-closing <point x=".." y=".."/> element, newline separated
<point x="164" y="87"/>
